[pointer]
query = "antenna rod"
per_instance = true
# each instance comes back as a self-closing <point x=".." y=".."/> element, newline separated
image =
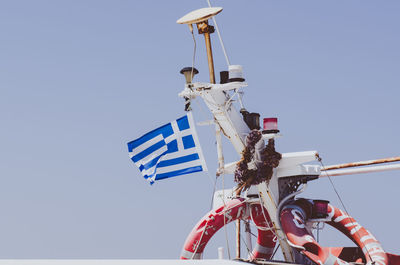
<point x="206" y="29"/>
<point x="351" y="171"/>
<point x="200" y="18"/>
<point x="363" y="163"/>
<point x="210" y="57"/>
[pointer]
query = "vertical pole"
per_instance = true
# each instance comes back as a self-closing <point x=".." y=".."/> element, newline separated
<point x="220" y="253"/>
<point x="238" y="248"/>
<point x="210" y="57"/>
<point x="238" y="239"/>
<point x="221" y="163"/>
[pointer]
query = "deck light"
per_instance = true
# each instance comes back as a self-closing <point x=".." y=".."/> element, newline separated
<point x="187" y="72"/>
<point x="320" y="209"/>
<point x="270" y="125"/>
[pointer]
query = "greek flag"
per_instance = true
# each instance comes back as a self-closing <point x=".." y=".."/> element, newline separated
<point x="168" y="151"/>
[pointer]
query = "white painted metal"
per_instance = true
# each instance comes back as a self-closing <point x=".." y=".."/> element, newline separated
<point x="296" y="158"/>
<point x="230" y="167"/>
<point x="219" y="150"/>
<point x="298" y="170"/>
<point x="199" y="15"/>
<point x="220" y="253"/>
<point x="225" y="114"/>
<point x="222" y="196"/>
<point x="235" y="71"/>
<point x="351" y="171"/>
<point x="290" y="164"/>
<point x="233" y="126"/>
<point x="267" y="136"/>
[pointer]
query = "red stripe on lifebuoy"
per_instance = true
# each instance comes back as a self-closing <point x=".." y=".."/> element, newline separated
<point x="214" y="220"/>
<point x="293" y="220"/>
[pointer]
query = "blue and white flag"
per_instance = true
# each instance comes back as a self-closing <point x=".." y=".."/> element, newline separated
<point x="168" y="151"/>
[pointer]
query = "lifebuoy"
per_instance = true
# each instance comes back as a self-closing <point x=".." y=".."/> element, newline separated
<point x="293" y="220"/>
<point x="232" y="210"/>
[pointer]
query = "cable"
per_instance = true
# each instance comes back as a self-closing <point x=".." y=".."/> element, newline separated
<point x="223" y="199"/>
<point x="340" y="199"/>
<point x="276" y="249"/>
<point x="194" y="54"/>
<point x="219" y="36"/>
<point x="212" y="195"/>
<point x="249" y="253"/>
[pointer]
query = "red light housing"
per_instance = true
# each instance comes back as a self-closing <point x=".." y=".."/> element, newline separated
<point x="270" y="125"/>
<point x="320" y="209"/>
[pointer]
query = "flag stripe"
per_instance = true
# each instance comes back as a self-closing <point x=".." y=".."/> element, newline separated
<point x="178" y="160"/>
<point x="180" y="153"/>
<point x="151" y="156"/>
<point x="175" y="167"/>
<point x="151" y="163"/>
<point x="148" y="151"/>
<point x="149" y="172"/>
<point x="178" y="172"/>
<point x="146" y="145"/>
<point x="165" y="130"/>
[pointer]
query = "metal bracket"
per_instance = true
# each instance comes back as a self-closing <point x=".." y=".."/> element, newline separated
<point x="288" y="185"/>
<point x="203" y="27"/>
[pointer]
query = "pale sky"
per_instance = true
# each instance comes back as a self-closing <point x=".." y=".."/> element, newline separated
<point x="80" y="79"/>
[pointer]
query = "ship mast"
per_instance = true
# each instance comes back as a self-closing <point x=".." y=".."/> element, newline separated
<point x="291" y="176"/>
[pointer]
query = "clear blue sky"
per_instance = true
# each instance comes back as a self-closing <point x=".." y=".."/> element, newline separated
<point x="79" y="79"/>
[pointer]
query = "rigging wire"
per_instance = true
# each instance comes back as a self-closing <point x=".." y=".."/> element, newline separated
<point x="226" y="231"/>
<point x="249" y="253"/>
<point x="219" y="36"/>
<point x="212" y="194"/>
<point x="276" y="249"/>
<point x="213" y="182"/>
<point x="340" y="199"/>
<point x="223" y="175"/>
<point x="194" y="53"/>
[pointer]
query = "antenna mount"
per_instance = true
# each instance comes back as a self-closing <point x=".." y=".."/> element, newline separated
<point x="200" y="17"/>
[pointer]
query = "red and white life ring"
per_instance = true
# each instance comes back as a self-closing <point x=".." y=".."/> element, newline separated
<point x="293" y="220"/>
<point x="232" y="210"/>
